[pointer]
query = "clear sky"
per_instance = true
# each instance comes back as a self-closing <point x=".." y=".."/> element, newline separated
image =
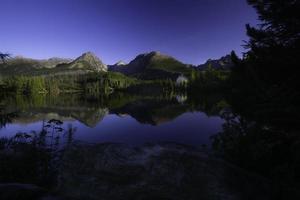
<point x="190" y="30"/>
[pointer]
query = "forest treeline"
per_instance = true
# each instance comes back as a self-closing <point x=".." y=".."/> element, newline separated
<point x="91" y="82"/>
<point x="107" y="82"/>
<point x="101" y="83"/>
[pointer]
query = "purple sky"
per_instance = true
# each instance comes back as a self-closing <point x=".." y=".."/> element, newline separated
<point x="190" y="30"/>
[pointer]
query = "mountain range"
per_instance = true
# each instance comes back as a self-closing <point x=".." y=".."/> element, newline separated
<point x="153" y="65"/>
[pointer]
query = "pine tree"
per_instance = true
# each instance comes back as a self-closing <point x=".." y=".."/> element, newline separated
<point x="274" y="44"/>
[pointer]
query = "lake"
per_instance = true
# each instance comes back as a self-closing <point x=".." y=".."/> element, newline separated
<point x="140" y="146"/>
<point x="117" y="118"/>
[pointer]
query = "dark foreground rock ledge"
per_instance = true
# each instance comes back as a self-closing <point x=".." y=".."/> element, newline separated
<point x="161" y="171"/>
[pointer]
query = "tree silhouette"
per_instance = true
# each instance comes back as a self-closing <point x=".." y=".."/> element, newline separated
<point x="275" y="43"/>
<point x="4" y="56"/>
<point x="268" y="74"/>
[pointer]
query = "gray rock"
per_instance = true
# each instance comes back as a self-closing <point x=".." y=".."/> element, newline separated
<point x="161" y="171"/>
<point x="88" y="61"/>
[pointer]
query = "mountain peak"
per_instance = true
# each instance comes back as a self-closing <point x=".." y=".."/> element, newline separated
<point x="158" y="55"/>
<point x="90" y="60"/>
<point x="88" y="53"/>
<point x="155" y="53"/>
<point x="87" y="56"/>
<point x="120" y="63"/>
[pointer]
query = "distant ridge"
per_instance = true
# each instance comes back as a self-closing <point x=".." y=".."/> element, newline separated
<point x="25" y="66"/>
<point x="223" y="63"/>
<point x="152" y="65"/>
<point x="87" y="62"/>
<point x="38" y="63"/>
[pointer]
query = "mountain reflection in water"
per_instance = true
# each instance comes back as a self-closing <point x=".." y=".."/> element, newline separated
<point x="119" y="117"/>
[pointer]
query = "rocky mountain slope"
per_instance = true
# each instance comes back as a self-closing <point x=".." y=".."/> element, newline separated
<point x="87" y="62"/>
<point x="223" y="63"/>
<point x="153" y="65"/>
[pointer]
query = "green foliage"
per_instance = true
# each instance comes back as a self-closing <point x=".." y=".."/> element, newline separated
<point x="156" y="87"/>
<point x="24" y="85"/>
<point x="210" y="79"/>
<point x="105" y="82"/>
<point x="170" y="65"/>
<point x="90" y="83"/>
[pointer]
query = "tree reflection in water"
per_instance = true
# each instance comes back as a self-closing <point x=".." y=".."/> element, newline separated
<point x="6" y="118"/>
<point x="271" y="152"/>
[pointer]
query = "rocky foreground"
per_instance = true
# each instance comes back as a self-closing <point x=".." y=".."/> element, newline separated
<point x="160" y="171"/>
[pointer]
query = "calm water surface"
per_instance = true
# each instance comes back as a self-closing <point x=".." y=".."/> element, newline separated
<point x="122" y="119"/>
